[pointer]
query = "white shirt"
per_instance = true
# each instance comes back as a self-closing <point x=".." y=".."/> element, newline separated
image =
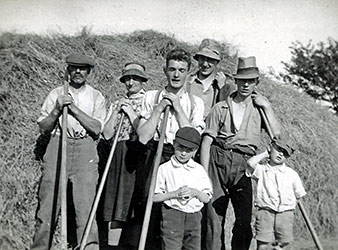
<point x="196" y="118"/>
<point x="87" y="99"/>
<point x="278" y="187"/>
<point x="172" y="175"/>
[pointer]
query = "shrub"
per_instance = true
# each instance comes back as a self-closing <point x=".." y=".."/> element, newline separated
<point x="315" y="69"/>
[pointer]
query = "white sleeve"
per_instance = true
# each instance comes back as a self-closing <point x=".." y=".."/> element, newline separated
<point x="160" y="186"/>
<point x="197" y="120"/>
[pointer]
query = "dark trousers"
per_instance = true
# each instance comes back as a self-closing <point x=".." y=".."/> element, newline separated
<point x="131" y="234"/>
<point x="82" y="173"/>
<point x="227" y="172"/>
<point x="180" y="230"/>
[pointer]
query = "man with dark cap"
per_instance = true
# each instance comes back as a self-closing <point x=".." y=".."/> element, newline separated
<point x="86" y="114"/>
<point x="231" y="137"/>
<point x="208" y="82"/>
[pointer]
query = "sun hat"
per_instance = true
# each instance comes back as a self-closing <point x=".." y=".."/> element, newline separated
<point x="188" y="137"/>
<point x="246" y="68"/>
<point x="78" y="59"/>
<point x="134" y="69"/>
<point x="208" y="48"/>
<point x="282" y="144"/>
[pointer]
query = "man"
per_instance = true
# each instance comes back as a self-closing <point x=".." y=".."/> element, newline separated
<point x="86" y="113"/>
<point x="186" y="110"/>
<point x="208" y="83"/>
<point x="232" y="135"/>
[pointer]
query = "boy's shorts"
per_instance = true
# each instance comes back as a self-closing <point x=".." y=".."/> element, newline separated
<point x="271" y="225"/>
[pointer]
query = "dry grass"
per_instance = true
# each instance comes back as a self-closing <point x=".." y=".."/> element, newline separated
<point x="31" y="66"/>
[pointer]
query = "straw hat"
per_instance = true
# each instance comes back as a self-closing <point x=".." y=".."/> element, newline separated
<point x="208" y="48"/>
<point x="134" y="69"/>
<point x="246" y="68"/>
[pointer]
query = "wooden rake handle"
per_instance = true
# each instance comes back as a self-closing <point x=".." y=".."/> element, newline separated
<point x="63" y="172"/>
<point x="101" y="186"/>
<point x="157" y="161"/>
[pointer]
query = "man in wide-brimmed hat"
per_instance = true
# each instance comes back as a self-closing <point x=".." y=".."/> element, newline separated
<point x="208" y="82"/>
<point x="232" y="134"/>
<point x="86" y="114"/>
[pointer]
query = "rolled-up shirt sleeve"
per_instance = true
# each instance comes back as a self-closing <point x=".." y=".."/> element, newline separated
<point x="298" y="187"/>
<point x="214" y="119"/>
<point x="160" y="187"/>
<point x="197" y="115"/>
<point x="99" y="112"/>
<point x="148" y="104"/>
<point x="48" y="105"/>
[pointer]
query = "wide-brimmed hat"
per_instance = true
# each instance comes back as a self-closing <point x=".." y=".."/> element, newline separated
<point x="288" y="150"/>
<point x="208" y="48"/>
<point x="188" y="137"/>
<point x="134" y="69"/>
<point x="246" y="68"/>
<point x="78" y="59"/>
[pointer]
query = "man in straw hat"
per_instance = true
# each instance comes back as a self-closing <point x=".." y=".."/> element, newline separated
<point x="208" y="83"/>
<point x="232" y="135"/>
<point x="86" y="114"/>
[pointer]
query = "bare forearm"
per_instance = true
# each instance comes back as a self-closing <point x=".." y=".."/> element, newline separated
<point x="203" y="197"/>
<point x="164" y="196"/>
<point x="134" y="119"/>
<point x="146" y="130"/>
<point x="91" y="125"/>
<point x="108" y="130"/>
<point x="49" y="123"/>
<point x="254" y="160"/>
<point x="205" y="151"/>
<point x="181" y="118"/>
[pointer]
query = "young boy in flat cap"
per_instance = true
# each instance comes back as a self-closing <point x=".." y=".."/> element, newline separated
<point x="278" y="189"/>
<point x="184" y="186"/>
<point x="86" y="114"/>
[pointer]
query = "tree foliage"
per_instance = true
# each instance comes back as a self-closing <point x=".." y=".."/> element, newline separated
<point x="314" y="68"/>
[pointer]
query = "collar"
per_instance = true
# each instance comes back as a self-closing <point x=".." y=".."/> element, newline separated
<point x="281" y="168"/>
<point x="211" y="76"/>
<point x="73" y="90"/>
<point x="176" y="164"/>
<point x="180" y="93"/>
<point x="137" y="95"/>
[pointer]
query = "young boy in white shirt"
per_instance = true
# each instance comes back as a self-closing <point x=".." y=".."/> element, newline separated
<point x="278" y="189"/>
<point x="183" y="186"/>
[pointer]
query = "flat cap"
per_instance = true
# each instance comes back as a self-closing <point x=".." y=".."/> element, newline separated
<point x="288" y="150"/>
<point x="188" y="137"/>
<point x="78" y="59"/>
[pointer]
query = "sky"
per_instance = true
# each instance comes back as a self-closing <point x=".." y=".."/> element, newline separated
<point x="263" y="28"/>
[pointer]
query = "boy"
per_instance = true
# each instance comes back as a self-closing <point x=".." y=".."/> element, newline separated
<point x="278" y="188"/>
<point x="183" y="185"/>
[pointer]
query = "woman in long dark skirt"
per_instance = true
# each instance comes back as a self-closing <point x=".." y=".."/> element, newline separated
<point x="121" y="176"/>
